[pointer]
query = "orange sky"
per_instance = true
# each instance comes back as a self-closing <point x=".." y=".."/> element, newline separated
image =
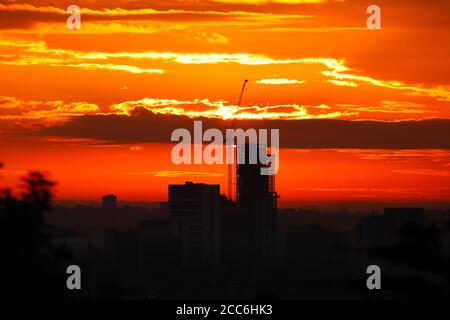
<point x="76" y="103"/>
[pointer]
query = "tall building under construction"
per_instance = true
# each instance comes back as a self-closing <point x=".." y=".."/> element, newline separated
<point x="256" y="200"/>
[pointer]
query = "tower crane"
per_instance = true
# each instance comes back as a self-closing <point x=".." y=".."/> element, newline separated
<point x="230" y="165"/>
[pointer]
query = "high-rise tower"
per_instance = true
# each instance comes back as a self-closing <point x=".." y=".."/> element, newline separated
<point x="256" y="199"/>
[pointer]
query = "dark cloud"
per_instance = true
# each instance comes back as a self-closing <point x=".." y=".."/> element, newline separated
<point x="350" y="12"/>
<point x="309" y="134"/>
<point x="26" y="15"/>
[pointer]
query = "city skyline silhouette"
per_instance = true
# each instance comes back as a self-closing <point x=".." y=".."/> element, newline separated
<point x="96" y="96"/>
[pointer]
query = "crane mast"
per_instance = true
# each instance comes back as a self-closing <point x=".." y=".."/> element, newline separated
<point x="230" y="165"/>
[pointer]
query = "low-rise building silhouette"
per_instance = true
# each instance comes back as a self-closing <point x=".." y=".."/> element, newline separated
<point x="109" y="202"/>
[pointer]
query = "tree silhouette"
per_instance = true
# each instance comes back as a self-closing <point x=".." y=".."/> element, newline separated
<point x="31" y="264"/>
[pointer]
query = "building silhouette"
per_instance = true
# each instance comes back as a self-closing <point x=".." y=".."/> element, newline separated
<point x="194" y="210"/>
<point x="386" y="229"/>
<point x="257" y="203"/>
<point x="109" y="202"/>
<point x="158" y="254"/>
